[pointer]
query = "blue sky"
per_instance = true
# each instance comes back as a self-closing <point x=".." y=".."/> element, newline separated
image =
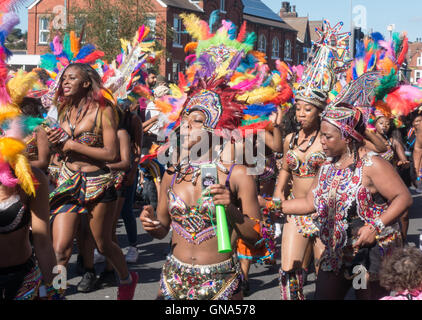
<point x="405" y="14"/>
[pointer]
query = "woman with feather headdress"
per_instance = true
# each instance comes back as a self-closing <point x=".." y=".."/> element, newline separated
<point x="25" y="265"/>
<point x="204" y="106"/>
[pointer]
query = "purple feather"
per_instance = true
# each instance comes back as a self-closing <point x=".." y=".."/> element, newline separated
<point x="9" y="21"/>
<point x="208" y="66"/>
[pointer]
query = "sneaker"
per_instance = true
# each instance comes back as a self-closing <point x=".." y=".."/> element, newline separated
<point x="98" y="257"/>
<point x="87" y="284"/>
<point x="132" y="255"/>
<point x="245" y="288"/>
<point x="127" y="291"/>
<point x="106" y="279"/>
<point x="277" y="232"/>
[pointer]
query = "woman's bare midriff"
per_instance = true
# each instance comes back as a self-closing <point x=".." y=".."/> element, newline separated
<point x="15" y="248"/>
<point x="78" y="162"/>
<point x="301" y="186"/>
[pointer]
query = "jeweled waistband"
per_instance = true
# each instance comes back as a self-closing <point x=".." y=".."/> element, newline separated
<point x="224" y="266"/>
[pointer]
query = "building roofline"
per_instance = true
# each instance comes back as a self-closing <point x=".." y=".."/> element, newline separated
<point x="33" y="4"/>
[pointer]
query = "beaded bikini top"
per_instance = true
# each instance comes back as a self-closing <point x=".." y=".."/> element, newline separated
<point x="194" y="223"/>
<point x="307" y="168"/>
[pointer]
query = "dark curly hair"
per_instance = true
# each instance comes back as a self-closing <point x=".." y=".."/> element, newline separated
<point x="402" y="270"/>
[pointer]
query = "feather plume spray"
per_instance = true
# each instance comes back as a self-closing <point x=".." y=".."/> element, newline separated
<point x="75" y="44"/>
<point x="404" y="100"/>
<point x="6" y="176"/>
<point x="23" y="172"/>
<point x="57" y="46"/>
<point x="207" y="65"/>
<point x="250" y="39"/>
<point x="231" y="29"/>
<point x="259" y="109"/>
<point x="85" y="51"/>
<point x="386" y="66"/>
<point x="377" y="37"/>
<point x="183" y="83"/>
<point x="191" y="47"/>
<point x="214" y="16"/>
<point x="19" y="85"/>
<point x="13" y="128"/>
<point x="10" y="5"/>
<point x="10" y="147"/>
<point x="388" y="47"/>
<point x="405" y="48"/>
<point x="247" y="63"/>
<point x="260" y="56"/>
<point x="67" y="47"/>
<point x="91" y="58"/>
<point x="29" y="124"/>
<point x="242" y="32"/>
<point x="8" y="111"/>
<point x="258" y="95"/>
<point x="387" y="83"/>
<point x="197" y="29"/>
<point x="190" y="59"/>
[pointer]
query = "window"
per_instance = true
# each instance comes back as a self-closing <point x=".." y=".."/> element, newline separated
<point x="419" y="62"/>
<point x="262" y="43"/>
<point x="223" y="6"/>
<point x="177" y="29"/>
<point x="151" y="23"/>
<point x="44" y="31"/>
<point x="287" y="50"/>
<point x="418" y="75"/>
<point x="275" y="53"/>
<point x="176" y="70"/>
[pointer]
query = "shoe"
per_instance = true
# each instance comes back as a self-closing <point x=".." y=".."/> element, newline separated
<point x="106" y="279"/>
<point x="87" y="284"/>
<point x="127" y="291"/>
<point x="277" y="233"/>
<point x="245" y="288"/>
<point x="132" y="255"/>
<point x="98" y="257"/>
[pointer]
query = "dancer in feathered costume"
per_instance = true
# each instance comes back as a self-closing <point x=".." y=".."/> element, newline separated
<point x="224" y="77"/>
<point x="23" y="192"/>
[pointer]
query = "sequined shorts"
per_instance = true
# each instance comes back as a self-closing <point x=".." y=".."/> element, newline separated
<point x="182" y="281"/>
<point x="305" y="224"/>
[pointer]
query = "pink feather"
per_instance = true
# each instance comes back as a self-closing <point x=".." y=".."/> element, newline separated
<point x="6" y="177"/>
<point x="141" y="33"/>
<point x="57" y="44"/>
<point x="15" y="129"/>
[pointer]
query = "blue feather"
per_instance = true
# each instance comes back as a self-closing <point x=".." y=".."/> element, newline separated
<point x="267" y="82"/>
<point x="214" y="16"/>
<point x="371" y="62"/>
<point x="260" y="110"/>
<point x="360" y="49"/>
<point x="85" y="51"/>
<point x="377" y="36"/>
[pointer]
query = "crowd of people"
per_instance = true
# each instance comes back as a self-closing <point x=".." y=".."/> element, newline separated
<point x="230" y="160"/>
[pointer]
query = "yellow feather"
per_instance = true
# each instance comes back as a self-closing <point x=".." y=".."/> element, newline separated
<point x="21" y="84"/>
<point x="10" y="147"/>
<point x="8" y="111"/>
<point x="259" y="95"/>
<point x="175" y="91"/>
<point x="23" y="172"/>
<point x="193" y="25"/>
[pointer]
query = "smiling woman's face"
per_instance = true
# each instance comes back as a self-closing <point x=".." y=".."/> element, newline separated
<point x="73" y="82"/>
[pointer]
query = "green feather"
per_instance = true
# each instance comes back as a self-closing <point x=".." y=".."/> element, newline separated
<point x="386" y="84"/>
<point x="250" y="38"/>
<point x="67" y="48"/>
<point x="30" y="123"/>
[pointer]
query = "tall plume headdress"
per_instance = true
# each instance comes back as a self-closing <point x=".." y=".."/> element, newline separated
<point x="14" y="166"/>
<point x="327" y="59"/>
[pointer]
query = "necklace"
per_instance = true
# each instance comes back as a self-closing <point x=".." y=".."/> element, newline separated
<point x="295" y="139"/>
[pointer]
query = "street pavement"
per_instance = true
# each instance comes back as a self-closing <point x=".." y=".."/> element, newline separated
<point x="152" y="254"/>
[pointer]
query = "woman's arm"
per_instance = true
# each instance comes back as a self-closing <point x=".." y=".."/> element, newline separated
<point x="301" y="206"/>
<point x="284" y="175"/>
<point x="124" y="144"/>
<point x="242" y="221"/>
<point x="41" y="228"/>
<point x="274" y="141"/>
<point x="375" y="142"/>
<point x="399" y="149"/>
<point x="43" y="150"/>
<point x="149" y="123"/>
<point x="109" y="151"/>
<point x="158" y="226"/>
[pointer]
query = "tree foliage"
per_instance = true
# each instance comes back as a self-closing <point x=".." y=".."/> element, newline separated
<point x="105" y="22"/>
<point x="16" y="40"/>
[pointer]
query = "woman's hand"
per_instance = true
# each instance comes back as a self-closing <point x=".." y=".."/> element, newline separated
<point x="262" y="202"/>
<point x="148" y="219"/>
<point x="276" y="117"/>
<point x="367" y="236"/>
<point x="54" y="135"/>
<point x="220" y="194"/>
<point x="404" y="164"/>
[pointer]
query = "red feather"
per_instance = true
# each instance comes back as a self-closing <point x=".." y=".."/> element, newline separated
<point x="242" y="32"/>
<point x="92" y="57"/>
<point x="403" y="52"/>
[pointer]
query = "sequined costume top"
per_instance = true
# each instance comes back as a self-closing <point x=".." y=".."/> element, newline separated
<point x="194" y="223"/>
<point x="339" y="198"/>
<point x="388" y="155"/>
<point x="308" y="168"/>
<point x="14" y="215"/>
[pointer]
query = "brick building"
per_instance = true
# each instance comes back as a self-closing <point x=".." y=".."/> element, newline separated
<point x="414" y="62"/>
<point x="274" y="36"/>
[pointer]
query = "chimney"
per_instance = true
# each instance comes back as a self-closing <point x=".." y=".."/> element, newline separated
<point x="285" y="9"/>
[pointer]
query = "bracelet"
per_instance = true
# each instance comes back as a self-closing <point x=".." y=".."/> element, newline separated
<point x="274" y="206"/>
<point x="377" y="224"/>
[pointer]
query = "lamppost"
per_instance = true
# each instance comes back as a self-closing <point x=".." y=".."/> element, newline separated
<point x="390" y="28"/>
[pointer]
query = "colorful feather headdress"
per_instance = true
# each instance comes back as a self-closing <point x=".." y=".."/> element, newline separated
<point x="13" y="126"/>
<point x="64" y="52"/>
<point x="125" y="76"/>
<point x="326" y="59"/>
<point x="226" y="80"/>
